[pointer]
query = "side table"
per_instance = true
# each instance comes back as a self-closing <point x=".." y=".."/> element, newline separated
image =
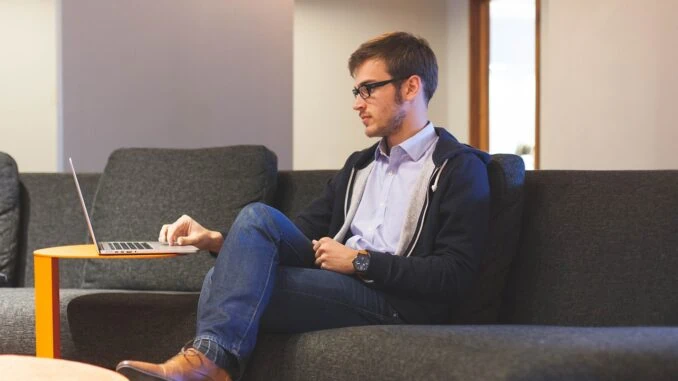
<point x="28" y="368"/>
<point x="47" y="315"/>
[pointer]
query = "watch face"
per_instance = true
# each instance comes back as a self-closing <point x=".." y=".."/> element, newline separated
<point x="361" y="262"/>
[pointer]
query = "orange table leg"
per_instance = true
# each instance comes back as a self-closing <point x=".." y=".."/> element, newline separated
<point x="47" y="319"/>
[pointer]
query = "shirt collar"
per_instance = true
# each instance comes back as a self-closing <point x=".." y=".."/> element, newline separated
<point x="415" y="147"/>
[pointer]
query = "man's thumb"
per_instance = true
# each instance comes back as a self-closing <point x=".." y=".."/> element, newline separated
<point x="189" y="240"/>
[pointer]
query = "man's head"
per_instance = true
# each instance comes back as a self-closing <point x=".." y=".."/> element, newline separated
<point x="395" y="76"/>
<point x="404" y="55"/>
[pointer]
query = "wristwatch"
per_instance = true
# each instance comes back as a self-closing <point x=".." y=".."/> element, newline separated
<point x="361" y="262"/>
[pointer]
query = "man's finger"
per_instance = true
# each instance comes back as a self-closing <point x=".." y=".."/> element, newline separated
<point x="171" y="232"/>
<point x="187" y="240"/>
<point x="163" y="234"/>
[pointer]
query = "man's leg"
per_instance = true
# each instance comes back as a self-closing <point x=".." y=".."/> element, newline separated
<point x="236" y="291"/>
<point x="307" y="299"/>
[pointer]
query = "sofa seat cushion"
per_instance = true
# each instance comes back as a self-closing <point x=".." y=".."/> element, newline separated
<point x="142" y="189"/>
<point x="468" y="353"/>
<point x="9" y="219"/>
<point x="17" y="320"/>
<point x="103" y="327"/>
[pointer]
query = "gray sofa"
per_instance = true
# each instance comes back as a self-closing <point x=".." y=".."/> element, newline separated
<point x="579" y="282"/>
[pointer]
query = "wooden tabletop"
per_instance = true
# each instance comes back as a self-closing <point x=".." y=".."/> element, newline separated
<point x="89" y="251"/>
<point x="28" y="368"/>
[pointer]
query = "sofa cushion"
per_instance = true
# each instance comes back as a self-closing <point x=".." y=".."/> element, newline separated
<point x="490" y="353"/>
<point x="9" y="219"/>
<point x="296" y="189"/>
<point x="483" y="301"/>
<point x="599" y="248"/>
<point x="142" y="189"/>
<point x="52" y="216"/>
<point x="103" y="327"/>
<point x="17" y="320"/>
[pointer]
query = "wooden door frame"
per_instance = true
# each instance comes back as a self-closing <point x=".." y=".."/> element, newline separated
<point x="479" y="73"/>
<point x="479" y="76"/>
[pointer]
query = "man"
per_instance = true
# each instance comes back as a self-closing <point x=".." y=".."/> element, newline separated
<point x="396" y="237"/>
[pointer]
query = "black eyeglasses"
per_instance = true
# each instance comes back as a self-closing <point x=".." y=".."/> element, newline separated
<point x="366" y="90"/>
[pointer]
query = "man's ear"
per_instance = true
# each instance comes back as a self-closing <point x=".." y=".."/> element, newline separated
<point x="412" y="87"/>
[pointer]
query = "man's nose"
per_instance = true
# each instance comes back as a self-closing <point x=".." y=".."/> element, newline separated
<point x="358" y="103"/>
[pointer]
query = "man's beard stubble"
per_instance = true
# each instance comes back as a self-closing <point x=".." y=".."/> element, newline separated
<point x="395" y="123"/>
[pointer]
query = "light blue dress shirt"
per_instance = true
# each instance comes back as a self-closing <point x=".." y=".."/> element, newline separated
<point x="381" y="213"/>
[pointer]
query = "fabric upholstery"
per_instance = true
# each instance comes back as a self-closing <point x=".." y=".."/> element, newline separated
<point x="17" y="321"/>
<point x="482" y="303"/>
<point x="52" y="216"/>
<point x="103" y="327"/>
<point x="9" y="219"/>
<point x="142" y="189"/>
<point x="488" y="353"/>
<point x="296" y="189"/>
<point x="600" y="248"/>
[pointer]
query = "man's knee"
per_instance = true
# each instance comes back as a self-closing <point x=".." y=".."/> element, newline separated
<point x="256" y="209"/>
<point x="256" y="214"/>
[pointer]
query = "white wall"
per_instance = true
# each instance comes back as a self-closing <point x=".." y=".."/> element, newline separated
<point x="326" y="32"/>
<point x="458" y="68"/>
<point x="609" y="84"/>
<point x="175" y="73"/>
<point x="28" y="90"/>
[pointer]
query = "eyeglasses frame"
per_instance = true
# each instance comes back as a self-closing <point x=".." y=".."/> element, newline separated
<point x="371" y="86"/>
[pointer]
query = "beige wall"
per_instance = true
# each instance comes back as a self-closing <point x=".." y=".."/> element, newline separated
<point x="326" y="32"/>
<point x="28" y="90"/>
<point x="609" y="84"/>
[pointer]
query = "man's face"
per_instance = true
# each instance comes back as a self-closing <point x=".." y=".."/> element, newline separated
<point x="381" y="113"/>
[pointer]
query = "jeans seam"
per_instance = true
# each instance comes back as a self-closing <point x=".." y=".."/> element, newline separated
<point x="350" y="306"/>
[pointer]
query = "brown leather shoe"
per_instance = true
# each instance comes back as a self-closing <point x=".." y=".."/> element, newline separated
<point x="188" y="365"/>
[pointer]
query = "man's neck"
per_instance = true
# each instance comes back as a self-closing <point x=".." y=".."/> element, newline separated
<point x="408" y="130"/>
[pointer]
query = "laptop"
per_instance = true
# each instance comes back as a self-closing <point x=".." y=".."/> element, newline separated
<point x="127" y="247"/>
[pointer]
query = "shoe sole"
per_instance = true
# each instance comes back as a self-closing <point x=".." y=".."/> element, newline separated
<point x="137" y="375"/>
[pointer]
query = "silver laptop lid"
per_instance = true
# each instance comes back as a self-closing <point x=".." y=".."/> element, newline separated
<point x="84" y="207"/>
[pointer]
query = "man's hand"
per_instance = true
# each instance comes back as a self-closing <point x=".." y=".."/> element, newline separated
<point x="333" y="256"/>
<point x="187" y="231"/>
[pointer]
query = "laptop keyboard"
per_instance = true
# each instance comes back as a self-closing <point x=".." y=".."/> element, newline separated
<point x="131" y="245"/>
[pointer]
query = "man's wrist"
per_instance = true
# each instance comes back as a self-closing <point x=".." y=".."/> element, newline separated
<point x="361" y="262"/>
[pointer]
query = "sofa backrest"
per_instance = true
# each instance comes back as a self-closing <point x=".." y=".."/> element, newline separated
<point x="51" y="216"/>
<point x="296" y="189"/>
<point x="9" y="219"/>
<point x="142" y="189"/>
<point x="598" y="248"/>
<point x="482" y="302"/>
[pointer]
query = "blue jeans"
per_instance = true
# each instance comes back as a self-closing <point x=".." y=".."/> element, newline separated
<point x="265" y="277"/>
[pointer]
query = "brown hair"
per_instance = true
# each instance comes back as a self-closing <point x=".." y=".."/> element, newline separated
<point x="404" y="55"/>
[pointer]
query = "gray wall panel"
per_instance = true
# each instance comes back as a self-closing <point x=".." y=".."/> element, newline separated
<point x="175" y="73"/>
